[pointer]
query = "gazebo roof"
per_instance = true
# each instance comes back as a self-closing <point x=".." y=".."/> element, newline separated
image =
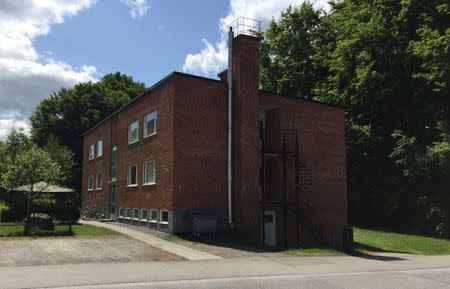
<point x="43" y="187"/>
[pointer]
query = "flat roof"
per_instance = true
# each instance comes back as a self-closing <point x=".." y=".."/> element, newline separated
<point x="173" y="73"/>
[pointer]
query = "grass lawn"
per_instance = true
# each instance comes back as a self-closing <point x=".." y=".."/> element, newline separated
<point x="376" y="240"/>
<point x="313" y="252"/>
<point x="16" y="230"/>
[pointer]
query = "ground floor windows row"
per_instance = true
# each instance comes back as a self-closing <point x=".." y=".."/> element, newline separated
<point x="151" y="216"/>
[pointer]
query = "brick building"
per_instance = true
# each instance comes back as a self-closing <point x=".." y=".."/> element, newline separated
<point x="162" y="160"/>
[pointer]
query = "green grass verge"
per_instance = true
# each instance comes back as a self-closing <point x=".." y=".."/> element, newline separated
<point x="382" y="241"/>
<point x="15" y="230"/>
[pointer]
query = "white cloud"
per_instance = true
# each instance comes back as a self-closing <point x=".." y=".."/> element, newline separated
<point x="25" y="76"/>
<point x="138" y="8"/>
<point x="213" y="57"/>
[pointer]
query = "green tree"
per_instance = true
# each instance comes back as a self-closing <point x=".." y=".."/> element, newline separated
<point x="32" y="170"/>
<point x="286" y="63"/>
<point x="387" y="62"/>
<point x="64" y="157"/>
<point x="69" y="113"/>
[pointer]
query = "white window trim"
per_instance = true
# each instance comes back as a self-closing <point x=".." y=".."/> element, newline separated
<point x="96" y="183"/>
<point x="155" y="117"/>
<point x="150" y="216"/>
<point x="96" y="151"/>
<point x="123" y="212"/>
<point x="160" y="217"/>
<point x="132" y="214"/>
<point x="141" y="213"/>
<point x="128" y="176"/>
<point x="154" y="173"/>
<point x="92" y="188"/>
<point x="91" y="157"/>
<point x="129" y="132"/>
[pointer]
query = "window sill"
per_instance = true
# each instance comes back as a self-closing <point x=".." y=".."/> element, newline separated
<point x="120" y="217"/>
<point x="148" y="184"/>
<point x="132" y="186"/>
<point x="98" y="189"/>
<point x="112" y="180"/>
<point x="153" y="222"/>
<point x="90" y="190"/>
<point x="131" y="143"/>
<point x="164" y="223"/>
<point x="142" y="220"/>
<point x="99" y="157"/>
<point x="150" y="135"/>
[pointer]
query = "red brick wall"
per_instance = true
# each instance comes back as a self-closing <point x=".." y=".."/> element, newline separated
<point x="246" y="154"/>
<point x="200" y="144"/>
<point x="321" y="135"/>
<point x="158" y="147"/>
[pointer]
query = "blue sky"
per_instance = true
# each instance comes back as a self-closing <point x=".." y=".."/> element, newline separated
<point x="46" y="45"/>
<point x="148" y="48"/>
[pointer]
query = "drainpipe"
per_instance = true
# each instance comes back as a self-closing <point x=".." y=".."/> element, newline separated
<point x="230" y="127"/>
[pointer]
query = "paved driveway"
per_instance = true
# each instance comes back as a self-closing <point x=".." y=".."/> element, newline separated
<point x="68" y="250"/>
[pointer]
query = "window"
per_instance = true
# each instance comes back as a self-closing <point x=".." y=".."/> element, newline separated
<point x="133" y="130"/>
<point x="149" y="173"/>
<point x="121" y="213"/>
<point x="128" y="215"/>
<point x="144" y="215"/>
<point x="113" y="163"/>
<point x="91" y="152"/>
<point x="99" y="146"/>
<point x="153" y="216"/>
<point x="135" y="214"/>
<point x="132" y="176"/>
<point x="150" y="124"/>
<point x="98" y="181"/>
<point x="164" y="217"/>
<point x="90" y="182"/>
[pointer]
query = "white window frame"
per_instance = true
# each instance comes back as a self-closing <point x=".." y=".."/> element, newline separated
<point x="151" y="116"/>
<point x="91" y="152"/>
<point x="114" y="152"/>
<point x="99" y="144"/>
<point x="90" y="183"/>
<point x="151" y="220"/>
<point x="141" y="215"/>
<point x="129" y="132"/>
<point x="96" y="181"/>
<point x="160" y="217"/>
<point x="126" y="213"/>
<point x="144" y="170"/>
<point x="133" y="216"/>
<point x="129" y="176"/>
<point x="121" y="213"/>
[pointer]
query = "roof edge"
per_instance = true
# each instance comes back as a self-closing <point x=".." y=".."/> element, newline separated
<point x="304" y="99"/>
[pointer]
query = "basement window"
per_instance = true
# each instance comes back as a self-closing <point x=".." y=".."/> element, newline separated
<point x="164" y="217"/>
<point x="149" y="173"/>
<point x="132" y="176"/>
<point x="98" y="181"/>
<point x="133" y="130"/>
<point x="144" y="215"/>
<point x="128" y="214"/>
<point x="91" y="152"/>
<point x="150" y="124"/>
<point x="121" y="213"/>
<point x="135" y="214"/>
<point x="153" y="216"/>
<point x="90" y="182"/>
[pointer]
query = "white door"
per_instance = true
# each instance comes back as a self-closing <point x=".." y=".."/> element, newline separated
<point x="270" y="232"/>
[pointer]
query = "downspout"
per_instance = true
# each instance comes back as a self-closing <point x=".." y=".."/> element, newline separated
<point x="230" y="127"/>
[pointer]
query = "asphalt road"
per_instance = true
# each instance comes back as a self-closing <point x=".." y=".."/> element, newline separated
<point x="411" y="279"/>
<point x="396" y="271"/>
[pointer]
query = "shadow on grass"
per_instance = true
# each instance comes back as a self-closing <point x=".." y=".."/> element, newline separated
<point x="238" y="242"/>
<point x="16" y="230"/>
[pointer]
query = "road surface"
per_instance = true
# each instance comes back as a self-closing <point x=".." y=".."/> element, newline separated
<point x="387" y="271"/>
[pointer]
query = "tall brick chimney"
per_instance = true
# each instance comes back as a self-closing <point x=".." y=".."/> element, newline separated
<point x="246" y="155"/>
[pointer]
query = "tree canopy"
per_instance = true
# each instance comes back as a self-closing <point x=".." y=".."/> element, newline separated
<point x="387" y="62"/>
<point x="66" y="115"/>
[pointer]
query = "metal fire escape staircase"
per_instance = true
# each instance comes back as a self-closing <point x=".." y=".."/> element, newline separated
<point x="300" y="204"/>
